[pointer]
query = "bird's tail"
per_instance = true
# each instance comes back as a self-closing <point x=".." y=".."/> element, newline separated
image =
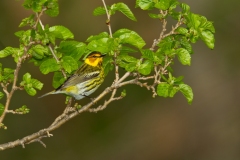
<point x="52" y="92"/>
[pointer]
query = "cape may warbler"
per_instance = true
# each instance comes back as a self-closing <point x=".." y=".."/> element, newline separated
<point x="85" y="80"/>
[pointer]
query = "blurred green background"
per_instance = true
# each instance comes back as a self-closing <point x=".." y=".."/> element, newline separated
<point x="139" y="126"/>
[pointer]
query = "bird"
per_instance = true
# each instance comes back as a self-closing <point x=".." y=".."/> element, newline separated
<point x="85" y="80"/>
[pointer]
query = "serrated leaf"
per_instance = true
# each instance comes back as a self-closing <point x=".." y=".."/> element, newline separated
<point x="27" y="21"/>
<point x="166" y="4"/>
<point x="107" y="64"/>
<point x="58" y="79"/>
<point x="145" y="4"/>
<point x="52" y="8"/>
<point x="129" y="37"/>
<point x="1" y="95"/>
<point x="184" y="56"/>
<point x="7" y="75"/>
<point x="72" y="48"/>
<point x="38" y="51"/>
<point x="127" y="58"/>
<point x="103" y="45"/>
<point x="61" y="32"/>
<point x="36" y="84"/>
<point x="49" y="65"/>
<point x="182" y="30"/>
<point x="131" y="67"/>
<point x="125" y="49"/>
<point x="154" y="16"/>
<point x="30" y="90"/>
<point x="173" y="90"/>
<point x="124" y="9"/>
<point x="208" y="38"/>
<point x="1" y="108"/>
<point x="200" y="26"/>
<point x="187" y="92"/>
<point x="69" y="64"/>
<point x="27" y="77"/>
<point x="99" y="11"/>
<point x="166" y="45"/>
<point x="163" y="89"/>
<point x="8" y="51"/>
<point x="146" y="67"/>
<point x="99" y="36"/>
<point x="19" y="33"/>
<point x="148" y="54"/>
<point x="186" y="44"/>
<point x="185" y="8"/>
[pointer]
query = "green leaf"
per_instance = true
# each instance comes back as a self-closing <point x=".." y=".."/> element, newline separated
<point x="182" y="30"/>
<point x="145" y="4"/>
<point x="125" y="49"/>
<point x="146" y="67"/>
<point x="38" y="51"/>
<point x="99" y="36"/>
<point x="58" y="79"/>
<point x="23" y="110"/>
<point x="72" y="48"/>
<point x="99" y="11"/>
<point x="27" y="77"/>
<point x="61" y="32"/>
<point x="185" y="8"/>
<point x="36" y="84"/>
<point x="187" y="92"/>
<point x="52" y="8"/>
<point x="107" y="64"/>
<point x="27" y="21"/>
<point x="124" y="9"/>
<point x="166" y="45"/>
<point x="208" y="37"/>
<point x="164" y="4"/>
<point x="127" y="58"/>
<point x="103" y="45"/>
<point x="185" y="44"/>
<point x="129" y="37"/>
<point x="49" y="65"/>
<point x="69" y="64"/>
<point x="19" y="33"/>
<point x="200" y="26"/>
<point x="30" y="90"/>
<point x="35" y="5"/>
<point x="124" y="93"/>
<point x="163" y="89"/>
<point x="25" y="36"/>
<point x="130" y="67"/>
<point x="155" y="16"/>
<point x="2" y="107"/>
<point x="7" y="75"/>
<point x="173" y="90"/>
<point x="184" y="56"/>
<point x="1" y="95"/>
<point x="8" y="51"/>
<point x="148" y="54"/>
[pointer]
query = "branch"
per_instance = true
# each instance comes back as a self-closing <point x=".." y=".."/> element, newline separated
<point x="14" y="85"/>
<point x="66" y="116"/>
<point x="50" y="47"/>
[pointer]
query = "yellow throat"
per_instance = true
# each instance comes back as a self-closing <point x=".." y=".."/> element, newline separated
<point x="94" y="60"/>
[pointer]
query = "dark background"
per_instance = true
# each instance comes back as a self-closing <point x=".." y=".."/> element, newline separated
<point x="139" y="126"/>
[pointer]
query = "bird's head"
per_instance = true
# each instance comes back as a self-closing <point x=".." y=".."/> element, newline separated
<point x="94" y="59"/>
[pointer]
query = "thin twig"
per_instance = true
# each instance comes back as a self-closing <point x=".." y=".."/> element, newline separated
<point x="53" y="53"/>
<point x="108" y="20"/>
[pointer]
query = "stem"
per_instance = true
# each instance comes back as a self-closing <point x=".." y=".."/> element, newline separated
<point x="53" y="53"/>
